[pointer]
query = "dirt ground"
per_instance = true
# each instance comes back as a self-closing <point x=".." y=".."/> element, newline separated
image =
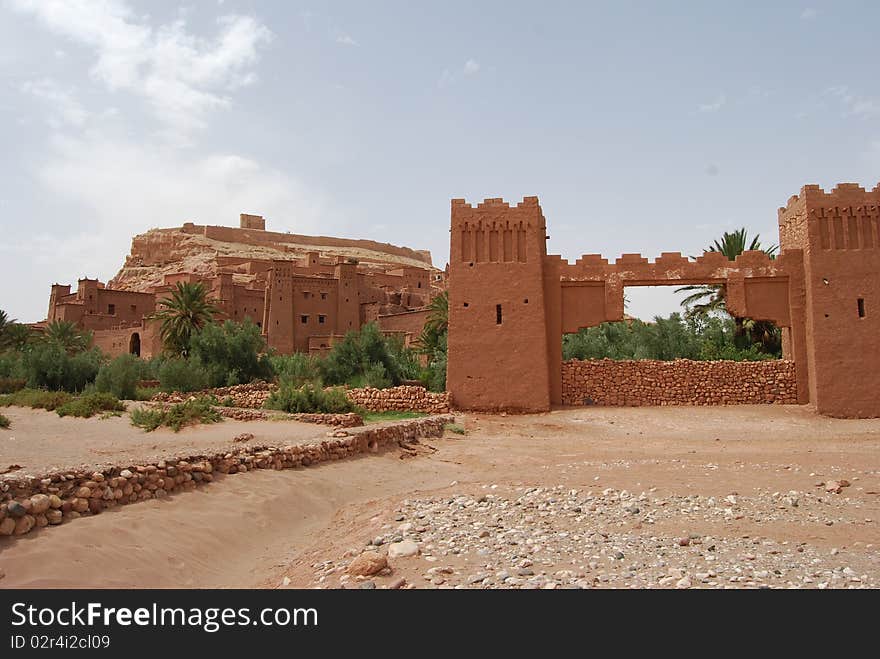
<point x="590" y="497"/>
<point x="39" y="441"/>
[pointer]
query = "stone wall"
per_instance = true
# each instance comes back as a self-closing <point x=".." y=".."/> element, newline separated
<point x="679" y="382"/>
<point x="61" y="496"/>
<point x="404" y="398"/>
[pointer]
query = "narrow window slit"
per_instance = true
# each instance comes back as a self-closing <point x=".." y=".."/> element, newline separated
<point x="861" y="304"/>
<point x="497" y="314"/>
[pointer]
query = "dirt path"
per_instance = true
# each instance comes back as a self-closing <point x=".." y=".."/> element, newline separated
<point x="596" y="497"/>
<point x="38" y="441"/>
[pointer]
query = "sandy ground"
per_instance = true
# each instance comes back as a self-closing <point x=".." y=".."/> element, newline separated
<point x="590" y="497"/>
<point x="39" y="441"/>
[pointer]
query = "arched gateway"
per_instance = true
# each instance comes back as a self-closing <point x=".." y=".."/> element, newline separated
<point x="510" y="302"/>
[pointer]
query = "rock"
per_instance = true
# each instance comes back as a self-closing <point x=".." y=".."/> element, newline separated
<point x="367" y="564"/>
<point x="54" y="516"/>
<point x="478" y="578"/>
<point x="39" y="504"/>
<point x="684" y="582"/>
<point x="7" y="526"/>
<point x="16" y="509"/>
<point x="24" y="524"/>
<point x="684" y="542"/>
<point x="55" y="501"/>
<point x="403" y="549"/>
<point x="368" y="585"/>
<point x="397" y="584"/>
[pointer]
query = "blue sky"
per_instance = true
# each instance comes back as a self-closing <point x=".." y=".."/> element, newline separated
<point x="642" y="126"/>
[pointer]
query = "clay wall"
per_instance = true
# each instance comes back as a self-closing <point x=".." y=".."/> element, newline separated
<point x="680" y="382"/>
<point x="840" y="235"/>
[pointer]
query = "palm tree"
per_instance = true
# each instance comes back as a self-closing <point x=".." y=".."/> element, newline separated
<point x="16" y="336"/>
<point x="705" y="299"/>
<point x="436" y="324"/>
<point x="67" y="335"/>
<point x="183" y="313"/>
<point x="5" y="325"/>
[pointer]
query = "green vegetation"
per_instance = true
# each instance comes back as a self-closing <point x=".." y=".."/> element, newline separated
<point x="36" y="398"/>
<point x="120" y="377"/>
<point x="296" y="369"/>
<point x="454" y="427"/>
<point x="432" y="343"/>
<point x="704" y="301"/>
<point x="230" y="353"/>
<point x="145" y="393"/>
<point x="310" y="398"/>
<point x="191" y="412"/>
<point x="391" y="415"/>
<point x="89" y="404"/>
<point x="177" y="374"/>
<point x="11" y="385"/>
<point x="4" y="421"/>
<point x="186" y="311"/>
<point x="66" y="335"/>
<point x="694" y="337"/>
<point x="369" y="359"/>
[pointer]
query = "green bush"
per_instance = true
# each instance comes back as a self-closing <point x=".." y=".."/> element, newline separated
<point x="182" y="375"/>
<point x="36" y="398"/>
<point x="699" y="338"/>
<point x="120" y="377"/>
<point x="197" y="410"/>
<point x="145" y="393"/>
<point x="90" y="404"/>
<point x="230" y="353"/>
<point x="11" y="385"/>
<point x="357" y="358"/>
<point x="4" y="421"/>
<point x="48" y="365"/>
<point x="296" y="369"/>
<point x="309" y="399"/>
<point x="11" y="365"/>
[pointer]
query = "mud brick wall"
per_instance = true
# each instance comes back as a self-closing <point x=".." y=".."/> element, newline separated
<point x="64" y="495"/>
<point x="679" y="382"/>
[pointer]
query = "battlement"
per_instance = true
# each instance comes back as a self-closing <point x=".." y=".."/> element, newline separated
<point x="257" y="222"/>
<point x="496" y="202"/>
<point x="843" y="194"/>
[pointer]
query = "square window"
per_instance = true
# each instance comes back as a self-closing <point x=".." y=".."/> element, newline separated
<point x="304" y="319"/>
<point x="321" y="319"/>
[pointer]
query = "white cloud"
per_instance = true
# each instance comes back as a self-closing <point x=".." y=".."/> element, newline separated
<point x="181" y="75"/>
<point x="855" y="106"/>
<point x="809" y="14"/>
<point x="346" y="40"/>
<point x="65" y="108"/>
<point x="714" y="106"/>
<point x="471" y="68"/>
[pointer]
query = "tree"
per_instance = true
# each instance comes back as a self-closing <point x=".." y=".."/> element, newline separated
<point x="432" y="342"/>
<point x="182" y="314"/>
<point x="705" y="299"/>
<point x="67" y="335"/>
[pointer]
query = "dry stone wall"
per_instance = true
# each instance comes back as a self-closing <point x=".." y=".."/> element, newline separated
<point x="61" y="496"/>
<point x="403" y="398"/>
<point x="679" y="382"/>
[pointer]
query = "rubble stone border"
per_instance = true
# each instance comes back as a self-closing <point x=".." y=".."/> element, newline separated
<point x="64" y="495"/>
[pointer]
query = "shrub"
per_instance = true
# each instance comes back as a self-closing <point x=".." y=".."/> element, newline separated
<point x="120" y="377"/>
<point x="230" y="353"/>
<point x="182" y="375"/>
<point x="90" y="404"/>
<point x="145" y="393"/>
<point x="309" y="399"/>
<point x="196" y="410"/>
<point x="36" y="398"/>
<point x="296" y="369"/>
<point x="11" y="385"/>
<point x="363" y="352"/>
<point x="4" y="422"/>
<point x="49" y="366"/>
<point x="11" y="365"/>
<point x="454" y="427"/>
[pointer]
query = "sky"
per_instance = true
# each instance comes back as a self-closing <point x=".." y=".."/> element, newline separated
<point x="642" y="127"/>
